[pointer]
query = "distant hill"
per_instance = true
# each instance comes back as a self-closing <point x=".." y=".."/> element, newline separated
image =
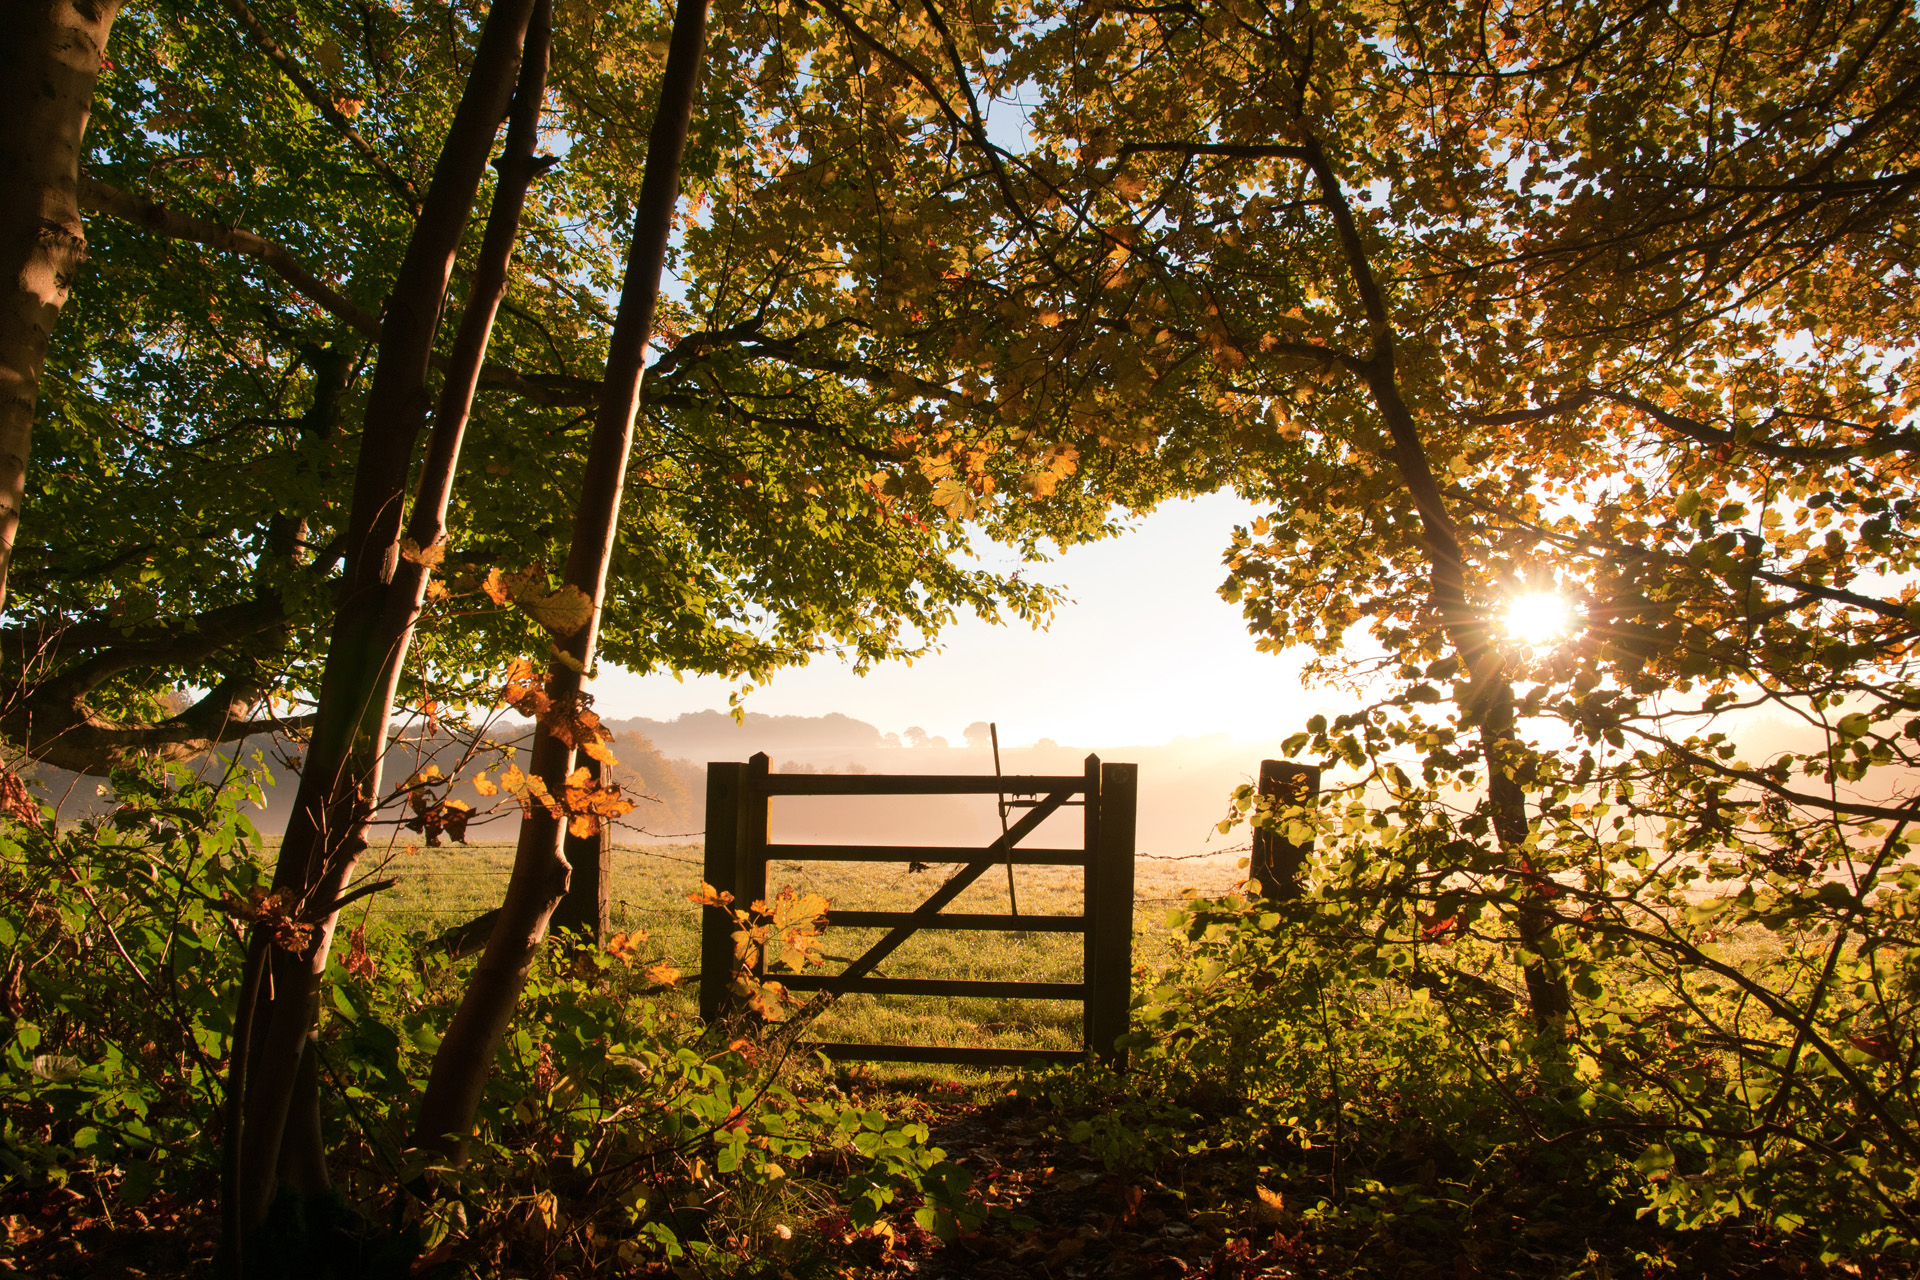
<point x="714" y="735"/>
<point x="1184" y="784"/>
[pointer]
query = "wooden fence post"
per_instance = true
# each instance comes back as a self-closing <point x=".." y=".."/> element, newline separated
<point x="750" y="863"/>
<point x="724" y="785"/>
<point x="1090" y="898"/>
<point x="1112" y="926"/>
<point x="1276" y="863"/>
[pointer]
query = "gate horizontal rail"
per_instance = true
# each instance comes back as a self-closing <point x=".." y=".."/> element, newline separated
<point x="952" y="1055"/>
<point x="919" y="784"/>
<point x="920" y="853"/>
<point x="959" y="920"/>
<point x="1002" y="988"/>
<point x="738" y="852"/>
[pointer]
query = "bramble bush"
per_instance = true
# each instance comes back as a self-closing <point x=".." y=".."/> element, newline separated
<point x="616" y="1130"/>
<point x="1737" y="1053"/>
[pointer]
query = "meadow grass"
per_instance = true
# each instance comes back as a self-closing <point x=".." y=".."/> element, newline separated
<point x="439" y="888"/>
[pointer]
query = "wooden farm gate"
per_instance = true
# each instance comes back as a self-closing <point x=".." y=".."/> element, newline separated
<point x="738" y="852"/>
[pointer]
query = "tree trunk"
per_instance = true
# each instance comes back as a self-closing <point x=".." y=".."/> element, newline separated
<point x="540" y="871"/>
<point x="340" y="781"/>
<point x="50" y="58"/>
<point x="1489" y="700"/>
<point x="588" y="899"/>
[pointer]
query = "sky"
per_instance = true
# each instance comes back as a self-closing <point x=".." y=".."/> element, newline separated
<point x="1144" y="651"/>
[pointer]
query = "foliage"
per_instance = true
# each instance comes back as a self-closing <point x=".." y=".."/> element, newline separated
<point x="120" y="955"/>
<point x="1714" y="1073"/>
<point x="192" y="470"/>
<point x="783" y="934"/>
<point x="615" y="1131"/>
<point x="1610" y="302"/>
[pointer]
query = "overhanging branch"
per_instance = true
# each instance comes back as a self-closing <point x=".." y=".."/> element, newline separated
<point x="98" y="197"/>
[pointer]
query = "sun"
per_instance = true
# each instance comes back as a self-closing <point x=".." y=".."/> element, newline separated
<point x="1539" y="617"/>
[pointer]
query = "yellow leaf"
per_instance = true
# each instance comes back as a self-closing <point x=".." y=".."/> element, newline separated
<point x="432" y="556"/>
<point x="563" y="613"/>
<point x="537" y="790"/>
<point x="767" y="999"/>
<point x="1270" y="1208"/>
<point x="599" y="751"/>
<point x="664" y="974"/>
<point x="1039" y="484"/>
<point x="484" y="785"/>
<point x="496" y="586"/>
<point x="583" y="826"/>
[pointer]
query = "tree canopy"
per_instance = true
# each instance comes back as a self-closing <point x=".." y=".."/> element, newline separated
<point x="1604" y="302"/>
<point x="251" y="179"/>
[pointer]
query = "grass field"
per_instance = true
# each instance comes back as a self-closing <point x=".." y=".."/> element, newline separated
<point x="440" y="888"/>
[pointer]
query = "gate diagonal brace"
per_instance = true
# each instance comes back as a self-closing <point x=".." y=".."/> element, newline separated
<point x="992" y="856"/>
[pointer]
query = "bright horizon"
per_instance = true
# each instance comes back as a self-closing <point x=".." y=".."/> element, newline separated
<point x="1143" y="651"/>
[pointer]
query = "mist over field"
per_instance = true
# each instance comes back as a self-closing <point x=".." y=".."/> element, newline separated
<point x="1184" y="783"/>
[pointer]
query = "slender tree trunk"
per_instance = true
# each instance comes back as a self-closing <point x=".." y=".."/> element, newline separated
<point x="540" y="871"/>
<point x="1489" y="703"/>
<point x="340" y="781"/>
<point x="50" y="57"/>
<point x="585" y="906"/>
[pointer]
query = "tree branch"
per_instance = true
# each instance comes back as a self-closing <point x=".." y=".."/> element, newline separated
<point x="1755" y="777"/>
<point x="318" y="98"/>
<point x="98" y="197"/>
<point x="1225" y="150"/>
<point x="72" y="736"/>
<point x="1693" y="429"/>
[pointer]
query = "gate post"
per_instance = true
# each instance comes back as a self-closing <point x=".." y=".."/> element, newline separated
<point x="1111" y="927"/>
<point x="724" y="785"/>
<point x="750" y="862"/>
<point x="750" y="858"/>
<point x="1090" y="903"/>
<point x="1275" y="864"/>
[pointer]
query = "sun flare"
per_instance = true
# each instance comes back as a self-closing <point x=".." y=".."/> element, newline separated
<point x="1540" y="617"/>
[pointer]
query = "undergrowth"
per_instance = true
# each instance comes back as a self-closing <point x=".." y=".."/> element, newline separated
<point x="617" y="1132"/>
